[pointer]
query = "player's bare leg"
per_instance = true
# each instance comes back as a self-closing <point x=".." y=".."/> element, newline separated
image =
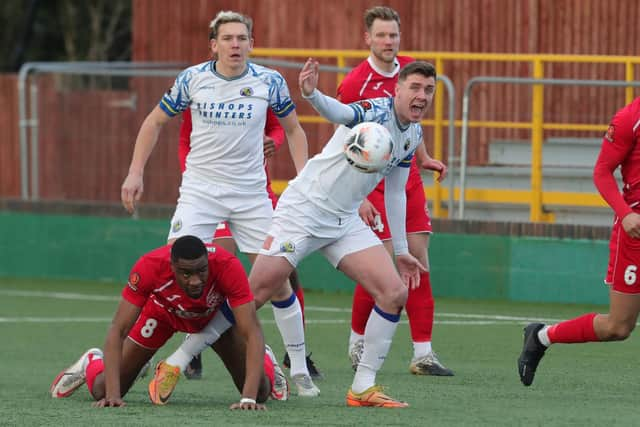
<point x="268" y="280"/>
<point x="133" y="360"/>
<point x="616" y="325"/>
<point x="374" y="269"/>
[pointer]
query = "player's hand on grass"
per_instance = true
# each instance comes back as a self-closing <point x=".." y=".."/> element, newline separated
<point x="409" y="269"/>
<point x="248" y="406"/>
<point x="110" y="403"/>
<point x="131" y="191"/>
<point x="368" y="213"/>
<point x="631" y="225"/>
<point x="308" y="77"/>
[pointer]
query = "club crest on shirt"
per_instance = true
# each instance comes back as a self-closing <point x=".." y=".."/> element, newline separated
<point x="407" y="144"/>
<point x="610" y="133"/>
<point x="287" y="247"/>
<point x="214" y="298"/>
<point x="134" y="279"/>
<point x="366" y="105"/>
<point x="211" y="249"/>
<point x="176" y="226"/>
<point x="246" y="91"/>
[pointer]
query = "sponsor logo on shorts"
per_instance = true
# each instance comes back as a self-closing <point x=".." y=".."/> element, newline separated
<point x="246" y="91"/>
<point x="287" y="247"/>
<point x="134" y="279"/>
<point x="610" y="133"/>
<point x="176" y="226"/>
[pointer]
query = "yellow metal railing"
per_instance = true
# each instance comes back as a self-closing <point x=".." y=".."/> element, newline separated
<point x="536" y="197"/>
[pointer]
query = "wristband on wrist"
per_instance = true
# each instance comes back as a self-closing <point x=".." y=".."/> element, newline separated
<point x="247" y="400"/>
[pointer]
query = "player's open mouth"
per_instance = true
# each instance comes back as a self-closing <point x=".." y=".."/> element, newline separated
<point x="417" y="108"/>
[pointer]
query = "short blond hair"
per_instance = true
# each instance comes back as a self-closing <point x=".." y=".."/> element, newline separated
<point x="383" y="13"/>
<point x="225" y="17"/>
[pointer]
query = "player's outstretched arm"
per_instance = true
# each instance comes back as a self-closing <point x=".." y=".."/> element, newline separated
<point x="250" y="330"/>
<point x="123" y="320"/>
<point x="308" y="77"/>
<point x="297" y="139"/>
<point x="132" y="187"/>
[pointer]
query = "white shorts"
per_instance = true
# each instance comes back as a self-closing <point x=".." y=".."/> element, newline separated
<point x="202" y="206"/>
<point x="300" y="228"/>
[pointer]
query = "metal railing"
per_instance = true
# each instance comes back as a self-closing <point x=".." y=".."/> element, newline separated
<point x="29" y="122"/>
<point x="536" y="212"/>
<point x="267" y="56"/>
<point x="440" y="59"/>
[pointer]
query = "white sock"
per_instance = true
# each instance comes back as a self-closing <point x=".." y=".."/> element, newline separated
<point x="194" y="344"/>
<point x="378" y="335"/>
<point x="288" y="315"/>
<point x="421" y="349"/>
<point x="353" y="337"/>
<point x="543" y="336"/>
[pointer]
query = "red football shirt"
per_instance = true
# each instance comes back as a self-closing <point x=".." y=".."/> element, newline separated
<point x="620" y="148"/>
<point x="152" y="282"/>
<point x="366" y="82"/>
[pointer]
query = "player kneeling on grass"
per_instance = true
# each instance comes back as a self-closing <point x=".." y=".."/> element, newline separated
<point x="182" y="287"/>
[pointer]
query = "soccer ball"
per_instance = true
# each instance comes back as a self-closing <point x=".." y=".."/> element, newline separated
<point x="368" y="146"/>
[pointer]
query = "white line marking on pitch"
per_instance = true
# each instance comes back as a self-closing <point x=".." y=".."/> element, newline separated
<point x="478" y="319"/>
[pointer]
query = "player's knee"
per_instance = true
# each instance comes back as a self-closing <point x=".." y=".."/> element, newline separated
<point x="395" y="297"/>
<point x="620" y="331"/>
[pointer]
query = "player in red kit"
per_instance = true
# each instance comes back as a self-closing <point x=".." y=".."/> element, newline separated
<point x="180" y="287"/>
<point x="619" y="148"/>
<point x="373" y="78"/>
<point x="274" y="137"/>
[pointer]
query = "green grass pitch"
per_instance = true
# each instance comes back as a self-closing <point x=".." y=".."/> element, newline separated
<point x="46" y="325"/>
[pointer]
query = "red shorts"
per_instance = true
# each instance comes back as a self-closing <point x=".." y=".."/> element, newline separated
<point x="417" y="221"/>
<point x="155" y="326"/>
<point x="223" y="231"/>
<point x="624" y="259"/>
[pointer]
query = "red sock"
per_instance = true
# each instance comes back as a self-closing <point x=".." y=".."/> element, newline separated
<point x="419" y="308"/>
<point x="300" y="296"/>
<point x="360" y="309"/>
<point x="269" y="370"/>
<point x="575" y="330"/>
<point x="94" y="368"/>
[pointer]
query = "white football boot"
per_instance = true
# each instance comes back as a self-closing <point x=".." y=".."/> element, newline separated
<point x="73" y="377"/>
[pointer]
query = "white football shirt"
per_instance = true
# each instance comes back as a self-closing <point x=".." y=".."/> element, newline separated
<point x="328" y="181"/>
<point x="228" y="117"/>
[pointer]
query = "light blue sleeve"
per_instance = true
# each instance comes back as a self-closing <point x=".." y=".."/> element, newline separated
<point x="177" y="99"/>
<point x="395" y="202"/>
<point x="279" y="97"/>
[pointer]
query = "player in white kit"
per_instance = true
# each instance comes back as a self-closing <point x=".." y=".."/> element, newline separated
<point x="224" y="178"/>
<point x="319" y="211"/>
